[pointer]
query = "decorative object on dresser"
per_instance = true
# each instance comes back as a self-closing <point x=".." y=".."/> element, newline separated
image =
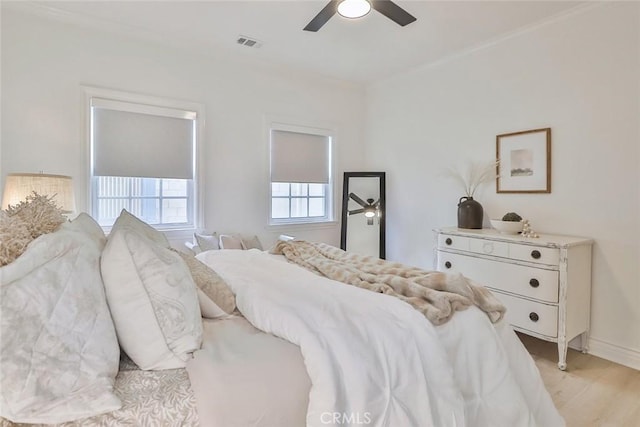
<point x="527" y="231"/>
<point x="544" y="283"/>
<point x="511" y="223"/>
<point x="524" y="161"/>
<point x="507" y="227"/>
<point x="470" y="212"/>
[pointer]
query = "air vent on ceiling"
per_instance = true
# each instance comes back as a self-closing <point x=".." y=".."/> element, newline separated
<point x="248" y="41"/>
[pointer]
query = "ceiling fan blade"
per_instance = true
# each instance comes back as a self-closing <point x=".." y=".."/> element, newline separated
<point x="358" y="200"/>
<point x="376" y="204"/>
<point x="393" y="12"/>
<point x="357" y="211"/>
<point x="321" y="18"/>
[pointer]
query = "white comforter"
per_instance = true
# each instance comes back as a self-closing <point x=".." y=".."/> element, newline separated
<point x="374" y="360"/>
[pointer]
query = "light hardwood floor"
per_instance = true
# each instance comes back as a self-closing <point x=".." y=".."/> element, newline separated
<point x="592" y="391"/>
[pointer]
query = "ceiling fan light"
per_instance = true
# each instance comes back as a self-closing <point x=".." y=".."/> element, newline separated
<point x="354" y="8"/>
<point x="369" y="213"/>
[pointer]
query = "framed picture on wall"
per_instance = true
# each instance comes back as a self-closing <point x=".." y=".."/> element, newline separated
<point x="524" y="161"/>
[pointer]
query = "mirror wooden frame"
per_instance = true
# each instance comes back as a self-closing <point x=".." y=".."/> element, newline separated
<point x="381" y="176"/>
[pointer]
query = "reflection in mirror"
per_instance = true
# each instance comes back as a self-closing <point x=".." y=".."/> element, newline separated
<point x="363" y="213"/>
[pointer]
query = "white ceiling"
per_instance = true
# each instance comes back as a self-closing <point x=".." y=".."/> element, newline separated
<point x="363" y="50"/>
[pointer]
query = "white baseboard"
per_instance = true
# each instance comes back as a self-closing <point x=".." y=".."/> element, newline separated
<point x="614" y="353"/>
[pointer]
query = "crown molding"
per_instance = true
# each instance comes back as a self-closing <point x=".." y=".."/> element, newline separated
<point x="48" y="11"/>
<point x="488" y="44"/>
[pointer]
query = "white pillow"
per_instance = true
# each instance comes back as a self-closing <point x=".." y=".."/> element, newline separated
<point x="213" y="241"/>
<point x="153" y="301"/>
<point x="207" y="242"/>
<point x="127" y="220"/>
<point x="59" y="353"/>
<point x="83" y="223"/>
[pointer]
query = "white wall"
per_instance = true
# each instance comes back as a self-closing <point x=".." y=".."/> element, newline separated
<point x="44" y="64"/>
<point x="578" y="75"/>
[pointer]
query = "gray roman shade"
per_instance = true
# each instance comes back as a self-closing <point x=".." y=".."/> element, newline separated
<point x="135" y="140"/>
<point x="300" y="157"/>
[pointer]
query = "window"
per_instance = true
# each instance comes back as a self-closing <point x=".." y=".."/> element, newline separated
<point x="142" y="160"/>
<point x="301" y="180"/>
<point x="156" y="201"/>
<point x="296" y="200"/>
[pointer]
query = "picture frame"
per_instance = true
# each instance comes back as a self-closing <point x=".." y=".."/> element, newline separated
<point x="524" y="161"/>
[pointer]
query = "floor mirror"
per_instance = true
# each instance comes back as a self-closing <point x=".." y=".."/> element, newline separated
<point x="363" y="213"/>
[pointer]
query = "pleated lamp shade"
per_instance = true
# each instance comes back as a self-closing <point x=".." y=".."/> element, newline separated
<point x="20" y="185"/>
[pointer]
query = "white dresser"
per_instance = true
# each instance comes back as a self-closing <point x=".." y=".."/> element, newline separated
<point x="544" y="282"/>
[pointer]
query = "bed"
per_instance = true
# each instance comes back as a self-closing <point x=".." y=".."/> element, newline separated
<point x="295" y="347"/>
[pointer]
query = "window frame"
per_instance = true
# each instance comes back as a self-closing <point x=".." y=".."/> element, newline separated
<point x="330" y="215"/>
<point x="195" y="188"/>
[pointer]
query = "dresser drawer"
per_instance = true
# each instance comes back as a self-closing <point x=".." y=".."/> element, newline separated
<point x="532" y="316"/>
<point x="475" y="245"/>
<point x="453" y="242"/>
<point x="489" y="247"/>
<point x="537" y="254"/>
<point x="531" y="282"/>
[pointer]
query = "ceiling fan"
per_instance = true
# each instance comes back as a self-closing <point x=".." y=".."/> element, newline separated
<point x="359" y="8"/>
<point x="369" y="208"/>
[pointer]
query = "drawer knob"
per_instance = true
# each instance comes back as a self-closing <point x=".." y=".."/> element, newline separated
<point x="447" y="264"/>
<point x="534" y="317"/>
<point x="534" y="283"/>
<point x="535" y="254"/>
<point x="448" y="241"/>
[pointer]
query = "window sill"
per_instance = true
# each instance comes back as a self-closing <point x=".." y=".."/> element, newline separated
<point x="302" y="225"/>
<point x="170" y="233"/>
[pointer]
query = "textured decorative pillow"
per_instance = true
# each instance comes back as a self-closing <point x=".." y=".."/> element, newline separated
<point x="127" y="220"/>
<point x="251" y="242"/>
<point x="228" y="241"/>
<point x="207" y="242"/>
<point x="153" y="301"/>
<point x="59" y="353"/>
<point x="22" y="223"/>
<point x="215" y="296"/>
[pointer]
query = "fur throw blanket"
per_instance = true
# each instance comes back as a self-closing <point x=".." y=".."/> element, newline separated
<point x="437" y="295"/>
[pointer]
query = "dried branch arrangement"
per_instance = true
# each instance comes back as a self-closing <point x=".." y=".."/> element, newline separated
<point x="475" y="175"/>
<point x="22" y="223"/>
